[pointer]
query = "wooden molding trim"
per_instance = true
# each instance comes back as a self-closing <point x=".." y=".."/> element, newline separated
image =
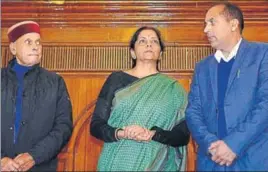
<point x="121" y="12"/>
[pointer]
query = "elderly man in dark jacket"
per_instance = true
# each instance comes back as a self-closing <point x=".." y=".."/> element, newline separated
<point x="36" y="110"/>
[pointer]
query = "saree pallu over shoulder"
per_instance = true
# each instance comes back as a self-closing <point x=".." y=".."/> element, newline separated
<point x="156" y="100"/>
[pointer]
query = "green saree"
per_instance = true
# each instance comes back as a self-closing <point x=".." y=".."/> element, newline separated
<point x="156" y="100"/>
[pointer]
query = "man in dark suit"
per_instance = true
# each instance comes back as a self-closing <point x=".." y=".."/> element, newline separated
<point x="36" y="112"/>
<point x="227" y="112"/>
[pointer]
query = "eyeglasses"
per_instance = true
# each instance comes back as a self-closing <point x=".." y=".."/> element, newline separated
<point x="143" y="42"/>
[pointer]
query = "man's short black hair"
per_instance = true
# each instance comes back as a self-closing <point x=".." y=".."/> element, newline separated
<point x="232" y="11"/>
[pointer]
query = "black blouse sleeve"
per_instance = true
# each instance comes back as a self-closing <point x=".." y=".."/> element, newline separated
<point x="99" y="127"/>
<point x="178" y="136"/>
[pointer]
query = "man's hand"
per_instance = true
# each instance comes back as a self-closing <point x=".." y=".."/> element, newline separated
<point x="221" y="153"/>
<point x="25" y="161"/>
<point x="8" y="164"/>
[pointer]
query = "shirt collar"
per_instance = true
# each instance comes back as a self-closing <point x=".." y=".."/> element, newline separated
<point x="219" y="55"/>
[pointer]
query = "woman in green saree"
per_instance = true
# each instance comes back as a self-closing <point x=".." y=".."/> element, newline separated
<point x="140" y="113"/>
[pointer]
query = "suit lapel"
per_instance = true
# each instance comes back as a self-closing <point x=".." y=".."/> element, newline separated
<point x="237" y="64"/>
<point x="213" y="72"/>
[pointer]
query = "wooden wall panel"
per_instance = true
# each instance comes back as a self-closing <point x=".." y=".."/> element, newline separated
<point x="181" y="34"/>
<point x="81" y="154"/>
<point x="115" y="21"/>
<point x="112" y="56"/>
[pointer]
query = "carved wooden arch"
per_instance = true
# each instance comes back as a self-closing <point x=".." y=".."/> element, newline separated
<point x="80" y="126"/>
